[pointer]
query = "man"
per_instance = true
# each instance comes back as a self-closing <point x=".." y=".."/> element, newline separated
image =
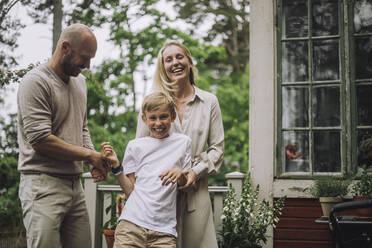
<point x="54" y="142"/>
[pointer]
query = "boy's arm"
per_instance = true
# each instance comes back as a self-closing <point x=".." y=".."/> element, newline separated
<point x="126" y="182"/>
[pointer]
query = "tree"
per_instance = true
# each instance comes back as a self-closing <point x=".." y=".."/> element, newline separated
<point x="9" y="30"/>
<point x="40" y="11"/>
<point x="230" y="23"/>
<point x="137" y="45"/>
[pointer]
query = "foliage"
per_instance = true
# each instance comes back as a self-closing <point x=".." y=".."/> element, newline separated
<point x="10" y="27"/>
<point x="114" y="209"/>
<point x="227" y="22"/>
<point x="10" y="212"/>
<point x="364" y="185"/>
<point x="13" y="76"/>
<point x="112" y="90"/>
<point x="245" y="221"/>
<point x="330" y="187"/>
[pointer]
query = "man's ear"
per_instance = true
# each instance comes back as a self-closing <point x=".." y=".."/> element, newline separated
<point x="65" y="46"/>
<point x="143" y="116"/>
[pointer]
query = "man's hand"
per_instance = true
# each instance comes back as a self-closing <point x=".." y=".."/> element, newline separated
<point x="98" y="175"/>
<point x="191" y="179"/>
<point x="97" y="160"/>
<point x="170" y="176"/>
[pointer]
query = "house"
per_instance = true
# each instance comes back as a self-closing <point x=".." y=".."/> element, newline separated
<point x="310" y="102"/>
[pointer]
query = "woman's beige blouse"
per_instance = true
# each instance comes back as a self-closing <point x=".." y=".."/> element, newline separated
<point x="202" y="122"/>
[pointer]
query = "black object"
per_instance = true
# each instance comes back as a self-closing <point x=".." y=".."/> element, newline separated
<point x="117" y="170"/>
<point x="351" y="231"/>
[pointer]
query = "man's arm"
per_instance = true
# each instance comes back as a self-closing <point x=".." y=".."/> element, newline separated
<point x="57" y="148"/>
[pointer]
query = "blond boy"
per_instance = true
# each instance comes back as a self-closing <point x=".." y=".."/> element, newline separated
<point x="154" y="167"/>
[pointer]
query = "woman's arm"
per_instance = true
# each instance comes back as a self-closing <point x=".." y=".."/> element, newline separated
<point x="209" y="161"/>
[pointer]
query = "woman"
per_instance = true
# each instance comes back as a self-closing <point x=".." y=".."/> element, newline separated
<point x="199" y="117"/>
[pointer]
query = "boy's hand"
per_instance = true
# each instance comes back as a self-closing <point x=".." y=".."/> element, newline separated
<point x="170" y="176"/>
<point x="109" y="155"/>
<point x="191" y="179"/>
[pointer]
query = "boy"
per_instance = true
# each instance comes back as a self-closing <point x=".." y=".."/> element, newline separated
<point x="152" y="167"/>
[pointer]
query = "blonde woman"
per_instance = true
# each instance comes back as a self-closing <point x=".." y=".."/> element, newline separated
<point x="199" y="117"/>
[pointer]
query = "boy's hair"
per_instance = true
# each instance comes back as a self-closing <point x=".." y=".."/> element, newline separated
<point x="153" y="101"/>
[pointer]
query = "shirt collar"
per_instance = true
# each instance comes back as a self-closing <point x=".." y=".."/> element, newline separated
<point x="198" y="93"/>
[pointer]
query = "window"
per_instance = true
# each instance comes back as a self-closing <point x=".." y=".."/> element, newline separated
<point x="324" y="86"/>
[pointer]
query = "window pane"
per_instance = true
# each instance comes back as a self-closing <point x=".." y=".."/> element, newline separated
<point x="327" y="151"/>
<point x="364" y="146"/>
<point x="296" y="151"/>
<point x="363" y="57"/>
<point x="325" y="18"/>
<point x="363" y="16"/>
<point x="294" y="61"/>
<point x="295" y="21"/>
<point x="325" y="60"/>
<point x="295" y="106"/>
<point x="326" y="106"/>
<point x="364" y="105"/>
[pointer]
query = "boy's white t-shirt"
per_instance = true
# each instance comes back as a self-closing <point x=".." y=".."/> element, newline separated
<point x="152" y="205"/>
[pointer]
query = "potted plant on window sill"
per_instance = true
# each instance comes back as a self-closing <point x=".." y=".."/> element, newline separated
<point x="362" y="190"/>
<point x="114" y="209"/>
<point x="330" y="191"/>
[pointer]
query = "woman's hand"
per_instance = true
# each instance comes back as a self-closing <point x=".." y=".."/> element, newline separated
<point x="109" y="155"/>
<point x="170" y="176"/>
<point x="191" y="179"/>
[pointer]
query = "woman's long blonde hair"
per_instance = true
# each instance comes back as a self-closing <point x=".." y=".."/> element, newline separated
<point x="161" y="81"/>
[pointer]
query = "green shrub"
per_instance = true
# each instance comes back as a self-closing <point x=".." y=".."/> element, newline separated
<point x="330" y="187"/>
<point x="364" y="185"/>
<point x="245" y="221"/>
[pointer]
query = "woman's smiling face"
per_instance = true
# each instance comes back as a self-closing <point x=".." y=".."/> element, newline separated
<point x="176" y="64"/>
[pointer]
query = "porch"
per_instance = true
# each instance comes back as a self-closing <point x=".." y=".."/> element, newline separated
<point x="98" y="197"/>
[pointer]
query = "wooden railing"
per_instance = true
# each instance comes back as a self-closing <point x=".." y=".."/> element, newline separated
<point x="98" y="197"/>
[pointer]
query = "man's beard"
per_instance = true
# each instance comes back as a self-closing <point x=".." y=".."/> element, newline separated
<point x="68" y="67"/>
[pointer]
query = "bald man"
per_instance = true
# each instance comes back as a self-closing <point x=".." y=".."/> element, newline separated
<point x="54" y="142"/>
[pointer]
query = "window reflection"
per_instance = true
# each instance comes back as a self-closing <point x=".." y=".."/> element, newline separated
<point x="364" y="105"/>
<point x="327" y="156"/>
<point x="364" y="147"/>
<point x="363" y="55"/>
<point x="325" y="18"/>
<point x="296" y="151"/>
<point x="295" y="107"/>
<point x="326" y="106"/>
<point x="295" y="61"/>
<point x="325" y="60"/>
<point x="295" y="21"/>
<point x="363" y="16"/>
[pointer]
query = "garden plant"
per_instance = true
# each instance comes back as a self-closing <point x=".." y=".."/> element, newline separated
<point x="245" y="221"/>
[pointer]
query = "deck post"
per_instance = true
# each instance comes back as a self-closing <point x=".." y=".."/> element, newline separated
<point x="236" y="180"/>
<point x="91" y="198"/>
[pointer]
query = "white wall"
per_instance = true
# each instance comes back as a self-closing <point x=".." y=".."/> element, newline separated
<point x="262" y="98"/>
<point x="262" y="120"/>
